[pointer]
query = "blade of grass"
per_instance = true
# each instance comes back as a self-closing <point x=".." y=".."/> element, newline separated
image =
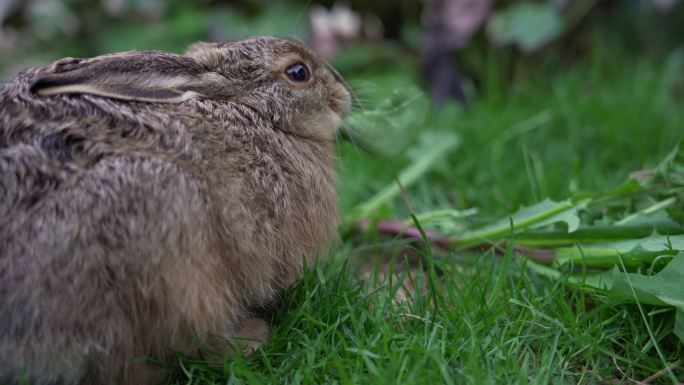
<point x="649" y="329"/>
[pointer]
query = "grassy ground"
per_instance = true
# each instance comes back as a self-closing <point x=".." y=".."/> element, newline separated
<point x="484" y="319"/>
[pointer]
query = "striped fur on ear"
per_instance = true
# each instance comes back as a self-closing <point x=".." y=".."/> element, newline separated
<point x="140" y="76"/>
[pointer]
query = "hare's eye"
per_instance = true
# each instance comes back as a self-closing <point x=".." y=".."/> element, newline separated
<point x="297" y="73"/>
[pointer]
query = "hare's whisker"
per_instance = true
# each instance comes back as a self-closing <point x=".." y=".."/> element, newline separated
<point x="301" y="13"/>
<point x="354" y="107"/>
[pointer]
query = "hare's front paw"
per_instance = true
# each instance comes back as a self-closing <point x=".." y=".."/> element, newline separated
<point x="250" y="334"/>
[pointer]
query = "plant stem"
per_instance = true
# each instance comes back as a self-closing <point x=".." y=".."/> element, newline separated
<point x="649" y="210"/>
<point x="488" y="234"/>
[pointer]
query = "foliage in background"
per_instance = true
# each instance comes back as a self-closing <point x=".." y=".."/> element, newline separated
<point x="35" y="31"/>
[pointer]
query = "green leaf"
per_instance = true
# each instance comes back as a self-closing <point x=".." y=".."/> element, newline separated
<point x="541" y="214"/>
<point x="641" y="228"/>
<point x="528" y="25"/>
<point x="390" y="128"/>
<point x="632" y="252"/>
<point x="662" y="289"/>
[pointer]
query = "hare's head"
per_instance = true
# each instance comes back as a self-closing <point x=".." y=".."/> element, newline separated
<point x="281" y="80"/>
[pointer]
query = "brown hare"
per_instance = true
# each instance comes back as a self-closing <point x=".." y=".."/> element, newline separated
<point x="149" y="200"/>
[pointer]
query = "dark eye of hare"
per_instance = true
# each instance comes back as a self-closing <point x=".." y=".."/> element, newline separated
<point x="297" y="73"/>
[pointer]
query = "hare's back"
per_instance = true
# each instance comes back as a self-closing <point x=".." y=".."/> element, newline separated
<point x="75" y="175"/>
<point x="46" y="142"/>
<point x="92" y="210"/>
<point x="89" y="256"/>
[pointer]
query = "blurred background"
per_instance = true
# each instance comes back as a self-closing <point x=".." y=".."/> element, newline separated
<point x="446" y="41"/>
<point x="545" y="98"/>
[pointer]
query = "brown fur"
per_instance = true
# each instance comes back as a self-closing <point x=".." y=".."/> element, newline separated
<point x="133" y="221"/>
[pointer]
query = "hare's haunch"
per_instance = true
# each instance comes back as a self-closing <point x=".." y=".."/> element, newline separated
<point x="148" y="200"/>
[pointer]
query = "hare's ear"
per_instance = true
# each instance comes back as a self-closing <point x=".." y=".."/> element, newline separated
<point x="141" y="76"/>
<point x="202" y="46"/>
<point x="212" y="55"/>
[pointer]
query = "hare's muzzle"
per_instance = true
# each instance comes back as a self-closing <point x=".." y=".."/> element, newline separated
<point x="340" y="99"/>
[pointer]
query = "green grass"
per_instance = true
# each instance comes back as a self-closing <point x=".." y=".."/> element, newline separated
<point x="493" y="323"/>
<point x="485" y="318"/>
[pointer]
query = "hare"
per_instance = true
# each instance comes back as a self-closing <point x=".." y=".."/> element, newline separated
<point x="149" y="200"/>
